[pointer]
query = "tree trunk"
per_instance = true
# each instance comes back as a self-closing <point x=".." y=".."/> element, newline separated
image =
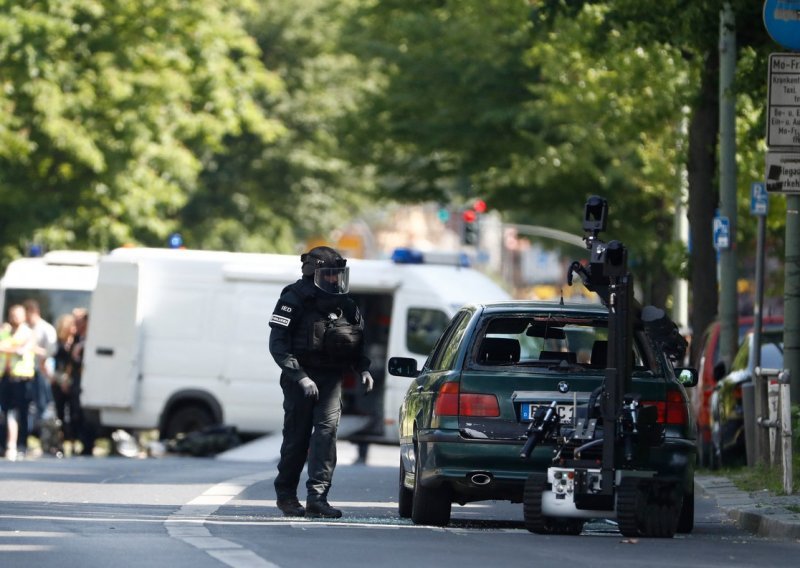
<point x="703" y="200"/>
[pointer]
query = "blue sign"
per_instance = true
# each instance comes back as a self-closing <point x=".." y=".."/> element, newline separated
<point x="722" y="233"/>
<point x="759" y="198"/>
<point x="782" y="20"/>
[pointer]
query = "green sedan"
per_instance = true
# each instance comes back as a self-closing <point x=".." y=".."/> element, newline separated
<point x="464" y="418"/>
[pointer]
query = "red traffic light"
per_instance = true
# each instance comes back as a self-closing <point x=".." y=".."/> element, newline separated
<point x="479" y="205"/>
<point x="469" y="216"/>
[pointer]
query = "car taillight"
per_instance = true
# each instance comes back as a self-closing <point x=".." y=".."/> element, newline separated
<point x="447" y="401"/>
<point x="479" y="405"/>
<point x="673" y="411"/>
<point x="451" y="402"/>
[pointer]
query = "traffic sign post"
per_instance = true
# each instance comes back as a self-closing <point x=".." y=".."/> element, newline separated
<point x="783" y="172"/>
<point x="783" y="109"/>
<point x="782" y="22"/>
<point x="759" y="198"/>
<point x="722" y="233"/>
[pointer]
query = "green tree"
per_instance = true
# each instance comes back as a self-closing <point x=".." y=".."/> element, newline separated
<point x="693" y="28"/>
<point x="258" y="196"/>
<point x="110" y="111"/>
<point x="539" y="108"/>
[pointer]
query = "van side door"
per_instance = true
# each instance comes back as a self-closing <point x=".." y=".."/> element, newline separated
<point x="111" y="358"/>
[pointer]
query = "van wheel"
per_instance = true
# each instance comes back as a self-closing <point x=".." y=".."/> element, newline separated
<point x="186" y="419"/>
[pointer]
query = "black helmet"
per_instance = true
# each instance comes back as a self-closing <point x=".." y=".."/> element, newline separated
<point x="327" y="268"/>
<point x="321" y="257"/>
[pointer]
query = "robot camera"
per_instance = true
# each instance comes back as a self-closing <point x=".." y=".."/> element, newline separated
<point x="595" y="213"/>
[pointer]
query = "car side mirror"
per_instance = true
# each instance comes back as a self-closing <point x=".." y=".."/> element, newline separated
<point x="687" y="376"/>
<point x="719" y="371"/>
<point x="403" y="367"/>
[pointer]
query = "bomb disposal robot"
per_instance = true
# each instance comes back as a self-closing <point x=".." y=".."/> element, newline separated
<point x="621" y="485"/>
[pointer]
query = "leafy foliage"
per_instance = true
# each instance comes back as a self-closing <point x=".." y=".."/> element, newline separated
<point x="111" y="109"/>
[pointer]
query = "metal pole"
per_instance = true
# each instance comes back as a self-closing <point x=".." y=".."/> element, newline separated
<point x="758" y="317"/>
<point x="791" y="295"/>
<point x="680" y="290"/>
<point x="759" y="437"/>
<point x="728" y="303"/>
<point x="786" y="430"/>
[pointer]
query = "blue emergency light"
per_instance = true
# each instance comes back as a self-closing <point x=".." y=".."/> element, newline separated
<point x="405" y="255"/>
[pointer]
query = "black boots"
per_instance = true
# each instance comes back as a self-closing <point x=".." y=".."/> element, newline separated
<point x="291" y="507"/>
<point x="318" y="507"/>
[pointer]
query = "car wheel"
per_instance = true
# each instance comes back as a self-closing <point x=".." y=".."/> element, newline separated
<point x="662" y="508"/>
<point x="686" y="517"/>
<point x="430" y="506"/>
<point x="405" y="496"/>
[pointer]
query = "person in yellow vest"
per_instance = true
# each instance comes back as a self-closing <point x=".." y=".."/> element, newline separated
<point x="17" y="359"/>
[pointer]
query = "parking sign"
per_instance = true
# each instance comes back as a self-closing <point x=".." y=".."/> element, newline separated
<point x="722" y="233"/>
<point x="759" y="198"/>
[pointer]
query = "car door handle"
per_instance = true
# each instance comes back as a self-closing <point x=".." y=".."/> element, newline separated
<point x="104" y="351"/>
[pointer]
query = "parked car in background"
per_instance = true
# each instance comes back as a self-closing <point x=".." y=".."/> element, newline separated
<point x="464" y="418"/>
<point x="710" y="370"/>
<point x="726" y="408"/>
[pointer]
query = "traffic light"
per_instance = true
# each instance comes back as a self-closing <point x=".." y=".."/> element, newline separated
<point x="470" y="233"/>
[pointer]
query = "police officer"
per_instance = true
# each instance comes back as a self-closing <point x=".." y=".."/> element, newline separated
<point x="316" y="337"/>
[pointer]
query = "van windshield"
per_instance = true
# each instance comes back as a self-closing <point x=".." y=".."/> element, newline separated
<point x="53" y="303"/>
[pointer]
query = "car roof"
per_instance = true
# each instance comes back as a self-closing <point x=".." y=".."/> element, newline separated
<point x="538" y="306"/>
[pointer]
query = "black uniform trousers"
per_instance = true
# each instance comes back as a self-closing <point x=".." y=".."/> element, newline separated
<point x="309" y="431"/>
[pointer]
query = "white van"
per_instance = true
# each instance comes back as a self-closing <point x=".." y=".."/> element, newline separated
<point x="178" y="339"/>
<point x="60" y="281"/>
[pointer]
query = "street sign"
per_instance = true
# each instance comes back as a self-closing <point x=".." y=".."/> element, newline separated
<point x="783" y="172"/>
<point x="783" y="108"/>
<point x="759" y="198"/>
<point x="722" y="233"/>
<point x="782" y="20"/>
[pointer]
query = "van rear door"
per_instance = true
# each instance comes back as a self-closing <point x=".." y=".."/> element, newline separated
<point x="111" y="360"/>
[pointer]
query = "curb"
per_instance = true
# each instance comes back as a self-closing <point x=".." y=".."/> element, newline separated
<point x="759" y="512"/>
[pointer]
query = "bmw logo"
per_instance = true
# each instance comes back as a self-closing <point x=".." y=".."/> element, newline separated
<point x="563" y="387"/>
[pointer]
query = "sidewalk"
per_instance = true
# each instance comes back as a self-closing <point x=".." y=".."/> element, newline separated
<point x="759" y="512"/>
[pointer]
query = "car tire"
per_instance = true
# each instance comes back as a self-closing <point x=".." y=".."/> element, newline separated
<point x="686" y="517"/>
<point x="430" y="506"/>
<point x="661" y="509"/>
<point x="405" y="496"/>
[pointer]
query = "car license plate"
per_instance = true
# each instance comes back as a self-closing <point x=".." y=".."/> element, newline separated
<point x="564" y="411"/>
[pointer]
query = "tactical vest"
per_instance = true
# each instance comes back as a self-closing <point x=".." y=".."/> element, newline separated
<point x="325" y="338"/>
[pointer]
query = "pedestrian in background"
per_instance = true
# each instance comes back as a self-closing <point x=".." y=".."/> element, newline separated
<point x="17" y="358"/>
<point x="65" y="397"/>
<point x="84" y="428"/>
<point x="45" y="347"/>
<point x="316" y="337"/>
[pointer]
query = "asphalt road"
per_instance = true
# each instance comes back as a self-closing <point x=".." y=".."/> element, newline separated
<point x="119" y="512"/>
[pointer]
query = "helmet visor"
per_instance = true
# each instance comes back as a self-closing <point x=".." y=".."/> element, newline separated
<point x="333" y="280"/>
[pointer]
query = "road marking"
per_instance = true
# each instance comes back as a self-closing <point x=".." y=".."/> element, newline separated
<point x="188" y="523"/>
